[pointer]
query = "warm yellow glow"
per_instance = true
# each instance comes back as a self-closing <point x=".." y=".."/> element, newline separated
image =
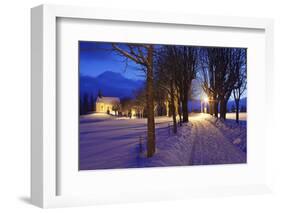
<point x="133" y="112"/>
<point x="206" y="99"/>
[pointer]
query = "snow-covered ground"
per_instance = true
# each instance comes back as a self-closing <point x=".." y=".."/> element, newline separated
<point x="107" y="142"/>
<point x="242" y="116"/>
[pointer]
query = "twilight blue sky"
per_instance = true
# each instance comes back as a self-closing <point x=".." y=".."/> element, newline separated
<point x="98" y="57"/>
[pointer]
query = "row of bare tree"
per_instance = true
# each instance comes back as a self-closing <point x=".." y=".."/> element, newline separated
<point x="170" y="70"/>
<point x="175" y="68"/>
<point x="223" y="73"/>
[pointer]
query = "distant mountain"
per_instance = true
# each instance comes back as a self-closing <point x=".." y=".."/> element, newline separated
<point x="116" y="85"/>
<point x="110" y="84"/>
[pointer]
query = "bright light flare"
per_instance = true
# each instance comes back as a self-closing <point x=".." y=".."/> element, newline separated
<point x="206" y="100"/>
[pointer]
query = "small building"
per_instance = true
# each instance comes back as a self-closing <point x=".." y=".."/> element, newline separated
<point x="108" y="105"/>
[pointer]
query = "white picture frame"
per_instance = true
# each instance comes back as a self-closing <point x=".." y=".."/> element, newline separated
<point x="44" y="155"/>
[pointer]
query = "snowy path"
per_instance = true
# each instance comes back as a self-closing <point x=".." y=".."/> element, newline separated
<point x="211" y="146"/>
<point x="107" y="142"/>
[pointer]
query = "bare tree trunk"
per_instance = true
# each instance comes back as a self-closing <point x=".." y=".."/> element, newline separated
<point x="185" y="106"/>
<point x="237" y="110"/>
<point x="186" y="102"/>
<point x="137" y="54"/>
<point x="223" y="104"/>
<point x="150" y="106"/>
<point x="167" y="108"/>
<point x="180" y="111"/>
<point x="187" y="117"/>
<point x="211" y="107"/>
<point x="223" y="109"/>
<point x="216" y="106"/>
<point x="173" y="108"/>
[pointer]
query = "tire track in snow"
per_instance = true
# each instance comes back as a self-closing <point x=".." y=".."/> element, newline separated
<point x="196" y="144"/>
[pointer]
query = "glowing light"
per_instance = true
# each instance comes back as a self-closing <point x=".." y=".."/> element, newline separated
<point x="206" y="99"/>
<point x="133" y="112"/>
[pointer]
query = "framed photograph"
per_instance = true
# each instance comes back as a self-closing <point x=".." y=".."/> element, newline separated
<point x="129" y="106"/>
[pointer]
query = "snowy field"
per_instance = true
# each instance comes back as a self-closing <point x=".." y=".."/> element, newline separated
<point x="107" y="142"/>
<point x="242" y="116"/>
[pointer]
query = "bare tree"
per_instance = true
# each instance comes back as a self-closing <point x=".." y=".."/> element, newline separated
<point x="225" y="78"/>
<point x="126" y="105"/>
<point x="194" y="92"/>
<point x="240" y="70"/>
<point x="165" y="79"/>
<point x="208" y="78"/>
<point x="231" y="79"/>
<point x="175" y="70"/>
<point x="189" y="61"/>
<point x="160" y="98"/>
<point x="140" y="102"/>
<point x="116" y="108"/>
<point x="218" y="77"/>
<point x="142" y="54"/>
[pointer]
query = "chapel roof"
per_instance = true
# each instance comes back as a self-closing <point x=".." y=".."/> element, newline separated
<point x="108" y="100"/>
